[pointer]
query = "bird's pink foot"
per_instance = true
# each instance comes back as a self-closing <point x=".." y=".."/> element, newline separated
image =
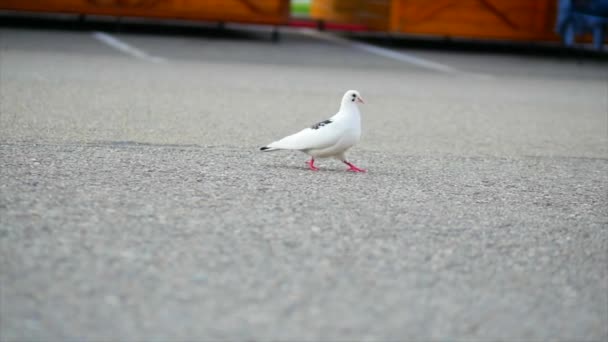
<point x="353" y="168"/>
<point x="311" y="165"/>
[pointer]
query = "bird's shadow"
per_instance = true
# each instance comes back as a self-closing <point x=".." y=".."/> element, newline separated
<point x="322" y="169"/>
<point x="301" y="168"/>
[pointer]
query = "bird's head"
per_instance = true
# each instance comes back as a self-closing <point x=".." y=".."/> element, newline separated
<point x="352" y="96"/>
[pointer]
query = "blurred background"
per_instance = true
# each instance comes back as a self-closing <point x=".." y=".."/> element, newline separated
<point x="570" y="21"/>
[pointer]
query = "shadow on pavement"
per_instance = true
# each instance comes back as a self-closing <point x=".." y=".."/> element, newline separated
<point x="533" y="49"/>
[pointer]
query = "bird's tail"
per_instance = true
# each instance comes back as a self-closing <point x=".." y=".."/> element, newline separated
<point x="268" y="149"/>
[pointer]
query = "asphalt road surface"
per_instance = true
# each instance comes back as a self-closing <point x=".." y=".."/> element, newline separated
<point x="135" y="205"/>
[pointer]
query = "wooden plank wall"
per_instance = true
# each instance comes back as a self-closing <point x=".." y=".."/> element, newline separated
<point x="373" y="14"/>
<point x="531" y="20"/>
<point x="247" y="11"/>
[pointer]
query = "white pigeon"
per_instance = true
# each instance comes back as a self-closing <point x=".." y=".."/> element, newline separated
<point x="329" y="138"/>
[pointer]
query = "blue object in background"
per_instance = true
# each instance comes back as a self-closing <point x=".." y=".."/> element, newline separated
<point x="576" y="17"/>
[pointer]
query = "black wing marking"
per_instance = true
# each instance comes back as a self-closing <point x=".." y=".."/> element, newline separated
<point x="320" y="124"/>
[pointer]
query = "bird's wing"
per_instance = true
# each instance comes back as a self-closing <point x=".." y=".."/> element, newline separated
<point x="320" y="135"/>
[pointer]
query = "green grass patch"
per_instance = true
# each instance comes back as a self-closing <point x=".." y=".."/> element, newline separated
<point x="300" y="9"/>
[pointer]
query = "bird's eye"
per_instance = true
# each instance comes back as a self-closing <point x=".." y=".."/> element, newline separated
<point x="354" y="95"/>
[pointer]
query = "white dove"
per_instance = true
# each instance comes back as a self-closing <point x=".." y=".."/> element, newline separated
<point x="328" y="138"/>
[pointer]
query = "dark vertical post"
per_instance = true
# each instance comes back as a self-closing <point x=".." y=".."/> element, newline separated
<point x="275" y="36"/>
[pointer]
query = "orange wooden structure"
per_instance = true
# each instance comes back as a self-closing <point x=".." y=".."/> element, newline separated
<point x="375" y="15"/>
<point x="531" y="20"/>
<point x="274" y="12"/>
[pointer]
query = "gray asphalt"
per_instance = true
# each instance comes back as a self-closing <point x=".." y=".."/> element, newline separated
<point x="134" y="204"/>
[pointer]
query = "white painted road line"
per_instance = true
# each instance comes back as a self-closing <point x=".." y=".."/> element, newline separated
<point x="126" y="48"/>
<point x="388" y="53"/>
<point x="384" y="52"/>
<point x="402" y="57"/>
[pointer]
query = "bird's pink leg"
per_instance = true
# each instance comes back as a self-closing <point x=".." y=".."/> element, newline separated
<point x="311" y="164"/>
<point x="353" y="168"/>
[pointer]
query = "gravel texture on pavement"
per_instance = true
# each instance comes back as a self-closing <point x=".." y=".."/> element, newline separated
<point x="135" y="205"/>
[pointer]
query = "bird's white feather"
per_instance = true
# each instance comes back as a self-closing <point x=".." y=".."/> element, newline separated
<point x="308" y="139"/>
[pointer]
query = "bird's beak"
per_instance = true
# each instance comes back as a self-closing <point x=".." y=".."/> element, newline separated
<point x="360" y="100"/>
